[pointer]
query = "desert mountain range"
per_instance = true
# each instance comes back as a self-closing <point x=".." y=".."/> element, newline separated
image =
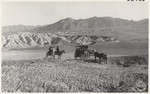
<point x="84" y="29"/>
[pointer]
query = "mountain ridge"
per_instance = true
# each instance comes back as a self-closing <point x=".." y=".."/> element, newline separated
<point x="69" y="24"/>
<point x="108" y="26"/>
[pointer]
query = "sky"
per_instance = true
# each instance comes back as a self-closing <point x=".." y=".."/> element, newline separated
<point x="43" y="13"/>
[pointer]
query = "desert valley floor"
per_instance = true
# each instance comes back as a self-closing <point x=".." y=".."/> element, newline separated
<point x="111" y="49"/>
<point x="30" y="71"/>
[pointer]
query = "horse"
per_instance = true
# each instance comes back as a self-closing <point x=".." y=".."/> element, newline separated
<point x="59" y="54"/>
<point x="101" y="56"/>
<point x="50" y="53"/>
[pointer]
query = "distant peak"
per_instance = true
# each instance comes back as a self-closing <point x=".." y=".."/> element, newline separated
<point x="69" y="19"/>
<point x="94" y="17"/>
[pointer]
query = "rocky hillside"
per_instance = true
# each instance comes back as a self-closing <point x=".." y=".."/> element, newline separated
<point x="70" y="24"/>
<point x="107" y="26"/>
<point x="27" y="39"/>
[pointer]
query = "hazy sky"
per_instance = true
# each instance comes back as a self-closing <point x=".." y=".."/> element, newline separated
<point x="38" y="13"/>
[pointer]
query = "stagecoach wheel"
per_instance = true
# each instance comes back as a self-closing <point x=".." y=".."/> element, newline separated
<point x="82" y="57"/>
<point x="104" y="61"/>
<point x="100" y="60"/>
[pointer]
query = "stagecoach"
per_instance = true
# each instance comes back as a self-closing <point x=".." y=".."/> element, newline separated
<point x="79" y="52"/>
<point x="83" y="52"/>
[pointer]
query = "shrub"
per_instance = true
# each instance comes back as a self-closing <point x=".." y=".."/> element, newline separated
<point x="71" y="76"/>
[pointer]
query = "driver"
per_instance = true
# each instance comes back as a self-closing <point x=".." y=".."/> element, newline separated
<point x="57" y="49"/>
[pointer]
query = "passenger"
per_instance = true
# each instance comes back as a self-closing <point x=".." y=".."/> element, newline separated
<point x="57" y="49"/>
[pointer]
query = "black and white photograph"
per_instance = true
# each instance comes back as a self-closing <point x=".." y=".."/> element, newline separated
<point x="74" y="46"/>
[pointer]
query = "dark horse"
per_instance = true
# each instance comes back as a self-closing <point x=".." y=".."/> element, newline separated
<point x="59" y="53"/>
<point x="50" y="53"/>
<point x="101" y="56"/>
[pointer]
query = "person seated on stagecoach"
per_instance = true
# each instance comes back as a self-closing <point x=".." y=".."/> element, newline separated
<point x="82" y="47"/>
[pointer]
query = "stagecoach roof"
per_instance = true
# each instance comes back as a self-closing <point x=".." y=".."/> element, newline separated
<point x="82" y="46"/>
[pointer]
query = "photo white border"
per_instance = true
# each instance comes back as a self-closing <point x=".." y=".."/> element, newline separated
<point x="68" y="1"/>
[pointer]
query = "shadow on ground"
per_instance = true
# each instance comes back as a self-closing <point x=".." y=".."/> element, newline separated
<point x="90" y="61"/>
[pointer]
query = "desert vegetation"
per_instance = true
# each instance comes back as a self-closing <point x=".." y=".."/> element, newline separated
<point x="74" y="75"/>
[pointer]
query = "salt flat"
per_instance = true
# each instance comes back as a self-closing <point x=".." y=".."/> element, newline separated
<point x="33" y="55"/>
